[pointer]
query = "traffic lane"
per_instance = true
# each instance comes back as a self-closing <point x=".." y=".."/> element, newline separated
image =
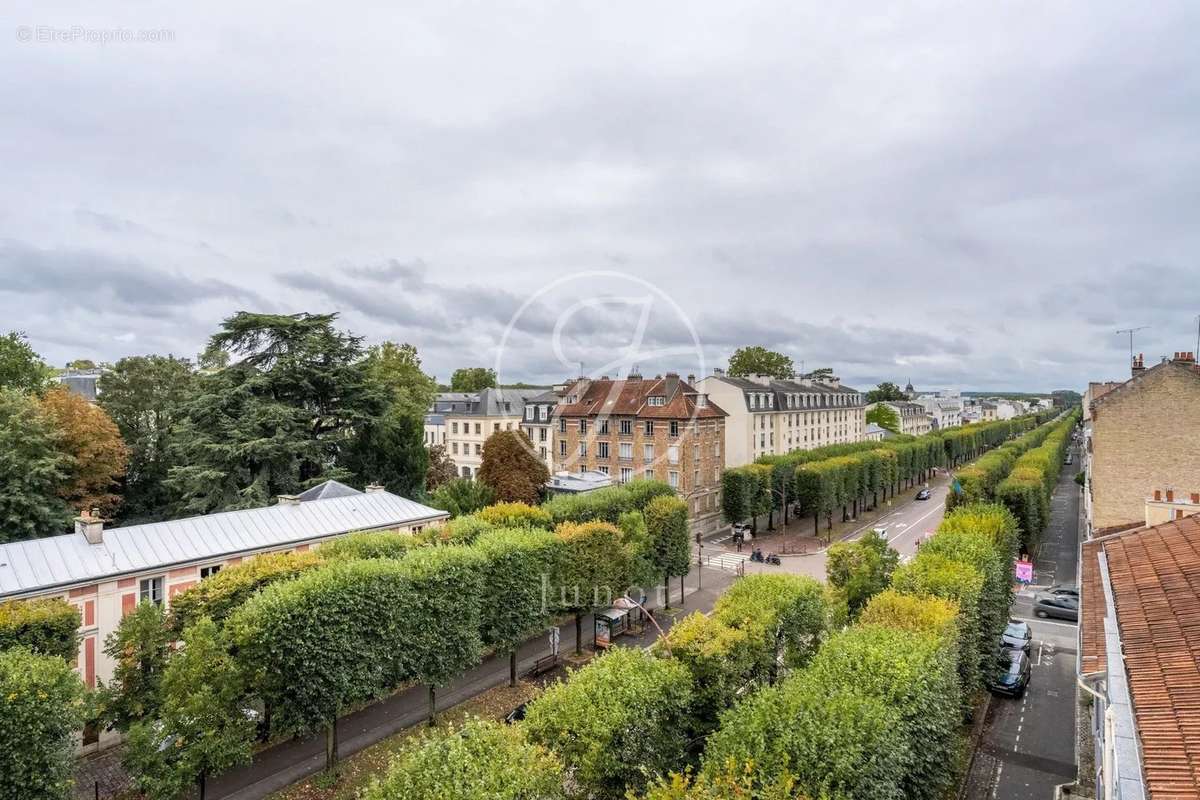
<point x="914" y="521"/>
<point x="1033" y="739"/>
<point x="1057" y="554"/>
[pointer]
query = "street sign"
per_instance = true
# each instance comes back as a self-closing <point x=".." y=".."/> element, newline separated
<point x="555" y="637"/>
<point x="1025" y="571"/>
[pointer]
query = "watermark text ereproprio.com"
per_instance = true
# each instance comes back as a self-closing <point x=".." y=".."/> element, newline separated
<point x="81" y="34"/>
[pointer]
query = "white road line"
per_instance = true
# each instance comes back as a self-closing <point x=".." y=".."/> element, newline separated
<point x="913" y="524"/>
<point x="1047" y="622"/>
<point x="1039" y="661"/>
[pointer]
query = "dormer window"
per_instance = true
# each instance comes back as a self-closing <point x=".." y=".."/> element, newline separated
<point x="656" y="400"/>
<point x="702" y="401"/>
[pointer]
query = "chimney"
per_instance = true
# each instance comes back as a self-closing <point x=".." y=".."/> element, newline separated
<point x="1158" y="494"/>
<point x="288" y="499"/>
<point x="691" y="378"/>
<point x="91" y="526"/>
<point x="1196" y="498"/>
<point x="1185" y="358"/>
<point x="720" y="373"/>
<point x="1170" y="495"/>
<point x="671" y="385"/>
<point x="1139" y="365"/>
<point x="371" y="488"/>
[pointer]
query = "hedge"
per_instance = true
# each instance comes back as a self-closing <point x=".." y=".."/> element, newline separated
<point x="785" y="614"/>
<point x="43" y="709"/>
<point x="617" y="723"/>
<point x="217" y="597"/>
<point x="515" y="515"/>
<point x="48" y="626"/>
<point x="607" y="504"/>
<point x="720" y="658"/>
<point x="373" y="544"/>
<point x="1027" y="489"/>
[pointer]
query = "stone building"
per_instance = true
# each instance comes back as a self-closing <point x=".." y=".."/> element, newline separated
<point x="661" y="428"/>
<point x="913" y="419"/>
<point x="491" y="411"/>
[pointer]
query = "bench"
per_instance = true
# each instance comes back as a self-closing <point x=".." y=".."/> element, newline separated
<point x="544" y="664"/>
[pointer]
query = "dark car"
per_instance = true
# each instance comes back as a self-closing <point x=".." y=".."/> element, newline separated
<point x="516" y="715"/>
<point x="1010" y="673"/>
<point x="1059" y="590"/>
<point x="923" y="494"/>
<point x="1060" y="606"/>
<point x="1016" y="636"/>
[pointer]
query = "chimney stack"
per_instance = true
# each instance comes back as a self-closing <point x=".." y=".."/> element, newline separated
<point x="371" y="488"/>
<point x="1139" y="365"/>
<point x="691" y="378"/>
<point x="1170" y="495"/>
<point x="288" y="499"/>
<point x="671" y="385"/>
<point x="91" y="526"/>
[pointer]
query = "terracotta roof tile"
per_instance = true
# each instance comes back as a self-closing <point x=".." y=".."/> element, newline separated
<point x="620" y="398"/>
<point x="1092" y="610"/>
<point x="1155" y="576"/>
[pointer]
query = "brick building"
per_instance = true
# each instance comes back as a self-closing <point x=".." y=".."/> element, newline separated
<point x="1144" y="437"/>
<point x="659" y="427"/>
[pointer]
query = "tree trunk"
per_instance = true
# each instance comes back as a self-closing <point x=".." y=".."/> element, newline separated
<point x="816" y="523"/>
<point x="578" y="633"/>
<point x="682" y="593"/>
<point x="432" y="705"/>
<point x="771" y="518"/>
<point x="512" y="668"/>
<point x="667" y="595"/>
<point x="754" y="525"/>
<point x="331" y="745"/>
<point x="202" y="785"/>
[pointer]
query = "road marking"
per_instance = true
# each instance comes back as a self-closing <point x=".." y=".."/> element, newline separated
<point x="913" y="524"/>
<point x="1039" y="661"/>
<point x="1048" y="622"/>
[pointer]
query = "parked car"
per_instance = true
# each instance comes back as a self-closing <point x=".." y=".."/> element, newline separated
<point x="516" y="715"/>
<point x="923" y="494"/>
<point x="1059" y="606"/>
<point x="1070" y="459"/>
<point x="1010" y="674"/>
<point x="1016" y="636"/>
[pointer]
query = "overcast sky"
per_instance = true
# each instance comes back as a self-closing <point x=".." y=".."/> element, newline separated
<point x="942" y="192"/>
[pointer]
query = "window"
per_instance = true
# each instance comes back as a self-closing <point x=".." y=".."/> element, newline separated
<point x="656" y="400"/>
<point x="674" y="427"/>
<point x="478" y="449"/>
<point x="454" y="427"/>
<point x="626" y="474"/>
<point x="647" y="452"/>
<point x="529" y="412"/>
<point x="648" y="474"/>
<point x="543" y="413"/>
<point x="541" y="434"/>
<point x="583" y="426"/>
<point x="673" y="480"/>
<point x="702" y="401"/>
<point x="601" y="449"/>
<point x="673" y="454"/>
<point x="626" y="427"/>
<point x="454" y="448"/>
<point x="478" y="429"/>
<point x="582" y="448"/>
<point x="602" y="426"/>
<point x="649" y="427"/>
<point x="562" y="447"/>
<point x="151" y="589"/>
<point x="209" y="571"/>
<point x="582" y="468"/>
<point x="508" y="426"/>
<point x="543" y="452"/>
<point x="626" y="451"/>
<point x="562" y="424"/>
<point x="495" y="427"/>
<point x="603" y="469"/>
<point x="466" y="472"/>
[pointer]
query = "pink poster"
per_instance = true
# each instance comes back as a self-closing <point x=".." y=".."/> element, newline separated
<point x="1025" y="571"/>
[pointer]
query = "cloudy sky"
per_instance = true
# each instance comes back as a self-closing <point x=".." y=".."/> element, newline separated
<point x="960" y="195"/>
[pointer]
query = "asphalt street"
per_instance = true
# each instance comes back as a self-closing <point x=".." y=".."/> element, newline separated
<point x="1028" y="746"/>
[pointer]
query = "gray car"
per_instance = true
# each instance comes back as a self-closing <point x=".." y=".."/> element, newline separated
<point x="1058" y="606"/>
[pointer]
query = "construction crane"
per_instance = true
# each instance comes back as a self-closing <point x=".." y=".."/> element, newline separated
<point x="1131" y="332"/>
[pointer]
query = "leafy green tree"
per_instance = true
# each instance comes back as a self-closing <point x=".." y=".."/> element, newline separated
<point x="397" y="369"/>
<point x="861" y="569"/>
<point x="202" y="728"/>
<point x="617" y="723"/>
<point x="515" y="515"/>
<point x="759" y="360"/>
<point x="441" y="468"/>
<point x="32" y="470"/>
<point x="370" y="544"/>
<point x="95" y="455"/>
<point x="606" y="504"/>
<point x="479" y="761"/>
<point x="472" y="379"/>
<point x="220" y="595"/>
<point x="42" y="707"/>
<point x="49" y="626"/>
<point x="721" y="660"/>
<point x="145" y="396"/>
<point x="671" y="547"/>
<point x="821" y="374"/>
<point x="885" y="391"/>
<point x="594" y="568"/>
<point x="21" y="369"/>
<point x="462" y="496"/>
<point x="885" y="417"/>
<point x="785" y="615"/>
<point x="512" y="469"/>
<point x="139" y="648"/>
<point x="275" y="421"/>
<point x="81" y="363"/>
<point x="390" y="450"/>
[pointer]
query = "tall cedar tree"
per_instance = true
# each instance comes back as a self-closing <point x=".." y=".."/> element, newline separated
<point x="96" y="454"/>
<point x="145" y="396"/>
<point x="511" y="468"/>
<point x="885" y="391"/>
<point x="32" y="468"/>
<point x="275" y="421"/>
<point x="21" y="369"/>
<point x="758" y="360"/>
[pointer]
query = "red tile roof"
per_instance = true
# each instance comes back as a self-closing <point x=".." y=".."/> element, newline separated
<point x="630" y="397"/>
<point x="1155" y="577"/>
<point x="1092" y="610"/>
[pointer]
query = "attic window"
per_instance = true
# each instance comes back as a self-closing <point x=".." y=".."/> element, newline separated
<point x="702" y="401"/>
<point x="656" y="400"/>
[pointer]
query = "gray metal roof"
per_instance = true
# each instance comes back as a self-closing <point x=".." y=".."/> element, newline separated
<point x="491" y="403"/>
<point x="327" y="490"/>
<point x="39" y="565"/>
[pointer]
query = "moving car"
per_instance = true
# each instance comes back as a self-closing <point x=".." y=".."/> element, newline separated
<point x="1016" y="636"/>
<point x="923" y="494"/>
<point x="1010" y="675"/>
<point x="1060" y="606"/>
<point x="1062" y="590"/>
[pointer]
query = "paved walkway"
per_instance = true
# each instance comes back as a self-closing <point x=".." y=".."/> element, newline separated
<point x="287" y="762"/>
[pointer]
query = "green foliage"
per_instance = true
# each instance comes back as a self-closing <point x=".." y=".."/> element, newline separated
<point x="517" y="567"/>
<point x="1027" y="489"/>
<point x="835" y="743"/>
<point x="441" y="468"/>
<point x="32" y="469"/>
<point x="720" y="658"/>
<point x="390" y="450"/>
<point x="47" y="626"/>
<point x="594" y="567"/>
<point x="139" y="648"/>
<point x="931" y="615"/>
<point x="201" y="729"/>
<point x="913" y="674"/>
<point x="472" y="379"/>
<point x="217" y="596"/>
<point x="462" y="496"/>
<point x="759" y="360"/>
<point x="145" y="396"/>
<point x="479" y="761"/>
<point x="884" y="416"/>
<point x="784" y="614"/>
<point x="21" y="369"/>
<point x="617" y="723"/>
<point x="732" y="782"/>
<point x="667" y="526"/>
<point x="608" y="504"/>
<point x="396" y="368"/>
<point x="737" y="494"/>
<point x="41" y="709"/>
<point x="884" y="392"/>
<point x="861" y="569"/>
<point x="516" y="515"/>
<point x="460" y="530"/>
<point x="369" y="544"/>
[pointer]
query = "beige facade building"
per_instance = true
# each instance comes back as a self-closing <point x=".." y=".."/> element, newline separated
<point x="491" y="411"/>
<point x="772" y="417"/>
<point x="538" y="423"/>
<point x="105" y="573"/>
<point x="1144" y="437"/>
<point x="913" y="419"/>
<point x="660" y="428"/>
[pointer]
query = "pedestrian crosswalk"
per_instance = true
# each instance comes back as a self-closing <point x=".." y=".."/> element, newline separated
<point x="728" y="561"/>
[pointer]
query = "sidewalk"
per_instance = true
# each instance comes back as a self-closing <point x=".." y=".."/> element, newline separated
<point x="287" y="762"/>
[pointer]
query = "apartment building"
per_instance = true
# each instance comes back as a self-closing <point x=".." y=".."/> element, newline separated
<point x="768" y="416"/>
<point x="435" y="419"/>
<point x="469" y="425"/>
<point x="1142" y="438"/>
<point x="106" y="572"/>
<point x="913" y="419"/>
<point x="661" y="428"/>
<point x="538" y="423"/>
<point x="943" y="412"/>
